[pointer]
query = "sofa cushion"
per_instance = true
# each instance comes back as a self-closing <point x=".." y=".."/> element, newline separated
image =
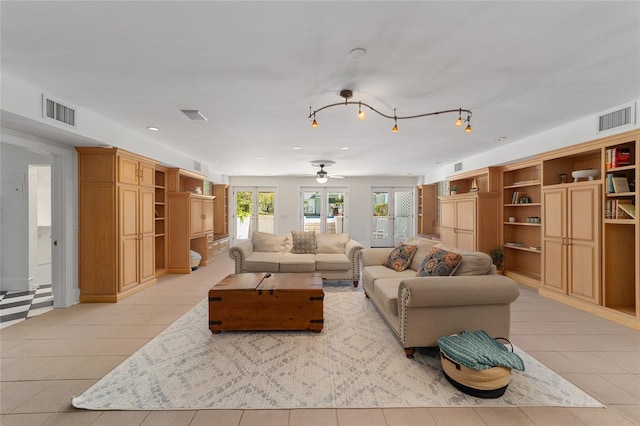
<point x="424" y="246"/>
<point x="439" y="262"/>
<point x="332" y="243"/>
<point x="265" y="242"/>
<point x="400" y="257"/>
<point x="376" y="272"/>
<point x="473" y="262"/>
<point x="290" y="262"/>
<point x="304" y="242"/>
<point x="262" y="262"/>
<point x="387" y="293"/>
<point x="332" y="262"/>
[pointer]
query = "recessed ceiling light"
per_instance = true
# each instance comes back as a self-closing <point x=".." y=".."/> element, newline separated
<point x="500" y="138"/>
<point x="296" y="147"/>
<point x="262" y="158"/>
<point x="357" y="54"/>
<point x="345" y="148"/>
<point x="438" y="162"/>
<point x="154" y="129"/>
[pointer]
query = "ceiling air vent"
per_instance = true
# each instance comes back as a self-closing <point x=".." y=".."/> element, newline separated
<point x="197" y="166"/>
<point x="194" y="114"/>
<point x="614" y="119"/>
<point x="457" y="167"/>
<point x="55" y="110"/>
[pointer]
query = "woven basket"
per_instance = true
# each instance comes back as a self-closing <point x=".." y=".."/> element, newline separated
<point x="489" y="383"/>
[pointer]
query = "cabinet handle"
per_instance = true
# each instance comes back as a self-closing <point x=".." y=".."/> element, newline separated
<point x="203" y="217"/>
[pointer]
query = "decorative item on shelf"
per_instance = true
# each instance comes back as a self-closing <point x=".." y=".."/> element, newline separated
<point x="453" y="190"/>
<point x="581" y="174"/>
<point x="620" y="184"/>
<point x="512" y="219"/>
<point x="497" y="257"/>
<point x="198" y="190"/>
<point x="524" y="200"/>
<point x="348" y="94"/>
<point x="563" y="178"/>
<point x="533" y="219"/>
<point x="474" y="186"/>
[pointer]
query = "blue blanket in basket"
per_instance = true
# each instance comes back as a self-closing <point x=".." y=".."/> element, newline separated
<point x="479" y="351"/>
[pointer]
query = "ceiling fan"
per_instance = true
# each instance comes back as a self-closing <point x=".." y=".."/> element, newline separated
<point x="322" y="175"/>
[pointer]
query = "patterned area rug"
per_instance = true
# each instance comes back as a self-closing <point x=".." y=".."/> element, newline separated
<point x="355" y="362"/>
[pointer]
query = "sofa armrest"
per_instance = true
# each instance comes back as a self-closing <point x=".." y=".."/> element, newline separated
<point x="375" y="255"/>
<point x="458" y="291"/>
<point x="239" y="253"/>
<point x="352" y="247"/>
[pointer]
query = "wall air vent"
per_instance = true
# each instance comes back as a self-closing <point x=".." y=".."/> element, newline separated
<point x="457" y="167"/>
<point x="197" y="166"/>
<point x="617" y="118"/>
<point x="55" y="110"/>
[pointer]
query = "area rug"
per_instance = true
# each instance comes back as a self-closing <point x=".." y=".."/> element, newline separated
<point x="355" y="362"/>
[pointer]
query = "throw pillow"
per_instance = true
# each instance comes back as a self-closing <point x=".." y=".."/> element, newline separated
<point x="304" y="242"/>
<point x="266" y="242"/>
<point x="400" y="257"/>
<point x="440" y="263"/>
<point x="332" y="243"/>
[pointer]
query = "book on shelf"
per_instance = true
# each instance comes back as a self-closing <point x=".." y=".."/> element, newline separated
<point x="626" y="210"/>
<point x="617" y="157"/>
<point x="620" y="184"/>
<point x="610" y="188"/>
<point x="514" y="244"/>
<point x="514" y="197"/>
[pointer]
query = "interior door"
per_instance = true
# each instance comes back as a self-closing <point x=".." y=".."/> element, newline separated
<point x="391" y="215"/>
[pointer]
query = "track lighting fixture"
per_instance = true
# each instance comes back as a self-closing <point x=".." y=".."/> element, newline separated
<point x="348" y="94"/>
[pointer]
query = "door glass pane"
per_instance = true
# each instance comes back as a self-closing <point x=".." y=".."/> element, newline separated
<point x="311" y="208"/>
<point x="244" y="214"/>
<point x="403" y="207"/>
<point x="266" y="213"/>
<point x="335" y="212"/>
<point x="380" y="223"/>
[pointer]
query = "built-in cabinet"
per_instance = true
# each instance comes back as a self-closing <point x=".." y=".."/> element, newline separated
<point x="161" y="220"/>
<point x="470" y="218"/>
<point x="427" y="214"/>
<point x="571" y="240"/>
<point x="191" y="221"/>
<point x="116" y="204"/>
<point x="522" y="221"/>
<point x="220" y="240"/>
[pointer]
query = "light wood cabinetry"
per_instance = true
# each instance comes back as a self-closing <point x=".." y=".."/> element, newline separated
<point x="221" y="213"/>
<point x="522" y="221"/>
<point x="571" y="240"/>
<point x="160" y="221"/>
<point x="470" y="221"/>
<point x="427" y="196"/>
<point x="191" y="220"/>
<point x="116" y="223"/>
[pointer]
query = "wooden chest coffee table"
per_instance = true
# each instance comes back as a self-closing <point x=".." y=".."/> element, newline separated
<point x="264" y="301"/>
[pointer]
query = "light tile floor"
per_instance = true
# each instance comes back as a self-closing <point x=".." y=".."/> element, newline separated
<point x="46" y="360"/>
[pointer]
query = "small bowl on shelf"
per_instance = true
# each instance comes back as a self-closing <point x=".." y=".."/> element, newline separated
<point x="581" y="174"/>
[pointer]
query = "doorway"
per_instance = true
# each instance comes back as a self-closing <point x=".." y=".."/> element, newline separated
<point x="323" y="210"/>
<point x="391" y="215"/>
<point x="255" y="209"/>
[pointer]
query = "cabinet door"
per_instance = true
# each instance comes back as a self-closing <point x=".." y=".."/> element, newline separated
<point x="465" y="240"/>
<point x="146" y="174"/>
<point x="196" y="215"/>
<point x="448" y="237"/>
<point x="448" y="214"/>
<point x="208" y="215"/>
<point x="129" y="237"/>
<point x="584" y="242"/>
<point x="554" y="249"/>
<point x="466" y="216"/>
<point x="127" y="170"/>
<point x="147" y="235"/>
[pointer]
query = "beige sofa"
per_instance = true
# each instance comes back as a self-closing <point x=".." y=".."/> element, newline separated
<point x="337" y="256"/>
<point x="421" y="309"/>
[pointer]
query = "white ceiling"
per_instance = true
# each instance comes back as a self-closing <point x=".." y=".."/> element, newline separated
<point x="254" y="69"/>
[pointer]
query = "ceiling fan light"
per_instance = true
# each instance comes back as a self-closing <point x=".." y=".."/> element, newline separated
<point x="322" y="179"/>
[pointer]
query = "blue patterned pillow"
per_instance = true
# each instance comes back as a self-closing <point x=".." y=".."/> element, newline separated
<point x="439" y="263"/>
<point x="400" y="257"/>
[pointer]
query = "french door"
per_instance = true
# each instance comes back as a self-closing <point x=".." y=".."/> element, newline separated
<point x="254" y="210"/>
<point x="391" y="215"/>
<point x="323" y="210"/>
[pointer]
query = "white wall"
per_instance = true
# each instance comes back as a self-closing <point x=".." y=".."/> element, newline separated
<point x="288" y="195"/>
<point x="576" y="132"/>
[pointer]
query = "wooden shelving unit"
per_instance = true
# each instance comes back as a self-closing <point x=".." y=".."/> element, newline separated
<point x="220" y="240"/>
<point x="522" y="262"/>
<point x="427" y="196"/>
<point x="161" y="220"/>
